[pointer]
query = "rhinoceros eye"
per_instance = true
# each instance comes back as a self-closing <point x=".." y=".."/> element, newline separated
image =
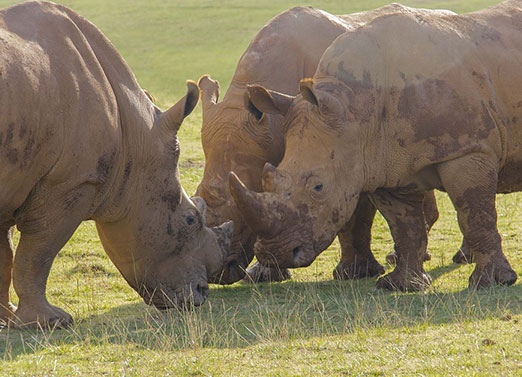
<point x="190" y="220"/>
<point x="318" y="187"/>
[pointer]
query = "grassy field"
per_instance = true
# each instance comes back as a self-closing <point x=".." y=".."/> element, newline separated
<point x="311" y="325"/>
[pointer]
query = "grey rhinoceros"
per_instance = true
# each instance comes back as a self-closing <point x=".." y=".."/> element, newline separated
<point x="238" y="136"/>
<point x="79" y="139"/>
<point x="404" y="104"/>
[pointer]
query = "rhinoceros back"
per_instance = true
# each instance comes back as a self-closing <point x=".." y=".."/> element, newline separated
<point x="59" y="113"/>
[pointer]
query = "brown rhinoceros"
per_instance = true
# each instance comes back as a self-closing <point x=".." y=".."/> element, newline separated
<point x="404" y="104"/>
<point x="80" y="140"/>
<point x="237" y="136"/>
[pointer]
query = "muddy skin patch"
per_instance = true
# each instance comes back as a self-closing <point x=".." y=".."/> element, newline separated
<point x="361" y="102"/>
<point x="170" y="230"/>
<point x="510" y="177"/>
<point x="103" y="167"/>
<point x="10" y="133"/>
<point x="12" y="155"/>
<point x="452" y="116"/>
<point x="172" y="198"/>
<point x="335" y="216"/>
<point x="28" y="148"/>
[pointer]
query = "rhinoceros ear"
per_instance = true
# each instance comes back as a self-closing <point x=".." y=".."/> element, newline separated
<point x="172" y="118"/>
<point x="269" y="101"/>
<point x="326" y="102"/>
<point x="209" y="91"/>
<point x="251" y="108"/>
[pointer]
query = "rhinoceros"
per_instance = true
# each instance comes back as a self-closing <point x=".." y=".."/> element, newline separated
<point x="404" y="104"/>
<point x="79" y="139"/>
<point x="237" y="136"/>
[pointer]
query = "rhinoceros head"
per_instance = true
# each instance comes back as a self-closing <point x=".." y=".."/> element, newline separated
<point x="315" y="189"/>
<point x="235" y="136"/>
<point x="161" y="244"/>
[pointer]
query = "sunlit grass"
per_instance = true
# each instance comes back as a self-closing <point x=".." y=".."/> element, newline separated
<point x="311" y="325"/>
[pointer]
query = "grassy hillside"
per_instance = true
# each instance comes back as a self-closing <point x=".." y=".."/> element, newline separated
<point x="308" y="326"/>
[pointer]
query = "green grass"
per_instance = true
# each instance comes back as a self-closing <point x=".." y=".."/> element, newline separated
<point x="311" y="325"/>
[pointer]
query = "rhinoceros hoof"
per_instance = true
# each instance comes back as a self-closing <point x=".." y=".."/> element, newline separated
<point x="259" y="273"/>
<point x="46" y="317"/>
<point x="463" y="256"/>
<point x="392" y="258"/>
<point x="357" y="270"/>
<point x="400" y="280"/>
<point x="492" y="274"/>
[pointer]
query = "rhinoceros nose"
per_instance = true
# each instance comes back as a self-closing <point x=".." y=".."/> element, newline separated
<point x="203" y="289"/>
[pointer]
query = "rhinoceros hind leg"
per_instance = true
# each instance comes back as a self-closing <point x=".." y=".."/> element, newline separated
<point x="405" y="216"/>
<point x="357" y="260"/>
<point x="6" y="266"/>
<point x="45" y="226"/>
<point x="463" y="256"/>
<point x="259" y="273"/>
<point x="471" y="183"/>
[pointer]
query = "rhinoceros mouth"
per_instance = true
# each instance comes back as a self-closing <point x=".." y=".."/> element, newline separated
<point x="292" y="249"/>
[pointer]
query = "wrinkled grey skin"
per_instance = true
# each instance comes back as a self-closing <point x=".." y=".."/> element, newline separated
<point x="80" y="140"/>
<point x="394" y="123"/>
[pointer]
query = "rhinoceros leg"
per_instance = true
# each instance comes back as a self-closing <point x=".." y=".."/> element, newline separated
<point x="431" y="214"/>
<point x="357" y="260"/>
<point x="6" y="265"/>
<point x="405" y="217"/>
<point x="463" y="256"/>
<point x="471" y="183"/>
<point x="258" y="273"/>
<point x="45" y="228"/>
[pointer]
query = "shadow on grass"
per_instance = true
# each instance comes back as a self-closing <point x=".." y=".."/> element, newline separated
<point x="437" y="272"/>
<point x="241" y="315"/>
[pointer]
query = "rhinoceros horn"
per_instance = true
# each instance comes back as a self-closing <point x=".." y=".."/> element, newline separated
<point x="253" y="207"/>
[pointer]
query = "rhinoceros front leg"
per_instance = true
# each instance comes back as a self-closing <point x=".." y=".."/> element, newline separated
<point x="405" y="217"/>
<point x="357" y="260"/>
<point x="44" y="229"/>
<point x="6" y="265"/>
<point x="431" y="214"/>
<point x="471" y="183"/>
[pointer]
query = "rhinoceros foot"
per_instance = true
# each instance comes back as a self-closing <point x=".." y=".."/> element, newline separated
<point x="391" y="258"/>
<point x="358" y="270"/>
<point x="45" y="316"/>
<point x="463" y="256"/>
<point x="497" y="271"/>
<point x="404" y="280"/>
<point x="259" y="273"/>
<point x="6" y="313"/>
